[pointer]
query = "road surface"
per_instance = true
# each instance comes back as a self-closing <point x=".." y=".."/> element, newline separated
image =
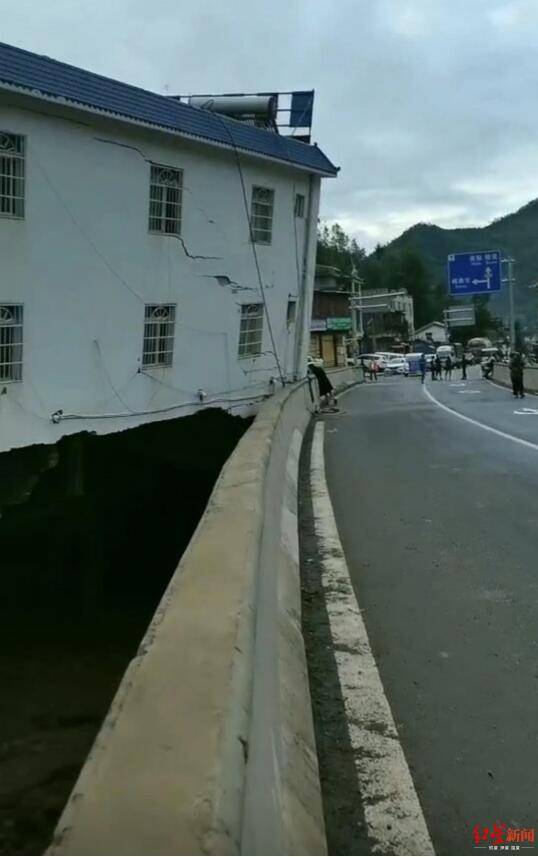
<point x="437" y="516"/>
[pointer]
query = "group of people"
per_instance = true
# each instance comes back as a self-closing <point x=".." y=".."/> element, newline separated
<point x="436" y="368"/>
<point x="516" y="366"/>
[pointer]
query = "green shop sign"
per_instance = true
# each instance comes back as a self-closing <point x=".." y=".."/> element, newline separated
<point x="339" y="324"/>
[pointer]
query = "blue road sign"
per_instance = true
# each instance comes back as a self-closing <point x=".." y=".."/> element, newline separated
<point x="474" y="273"/>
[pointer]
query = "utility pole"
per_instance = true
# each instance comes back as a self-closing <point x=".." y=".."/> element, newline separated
<point x="353" y="312"/>
<point x="511" y="298"/>
<point x="510" y="279"/>
<point x="357" y="331"/>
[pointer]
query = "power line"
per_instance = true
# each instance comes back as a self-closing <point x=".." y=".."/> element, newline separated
<point x="253" y="244"/>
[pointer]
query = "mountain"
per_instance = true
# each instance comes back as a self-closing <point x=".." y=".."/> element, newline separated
<point x="515" y="234"/>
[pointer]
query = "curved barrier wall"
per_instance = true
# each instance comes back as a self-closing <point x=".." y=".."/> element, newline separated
<point x="501" y="374"/>
<point x="208" y="746"/>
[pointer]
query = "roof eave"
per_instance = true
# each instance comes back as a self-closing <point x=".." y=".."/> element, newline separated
<point x="129" y="120"/>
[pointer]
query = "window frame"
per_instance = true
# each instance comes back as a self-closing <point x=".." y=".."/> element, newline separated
<point x="15" y="174"/>
<point x="158" y="342"/>
<point x="261" y="224"/>
<point x="164" y="210"/>
<point x="299" y="206"/>
<point x="11" y="347"/>
<point x="291" y="318"/>
<point x="250" y="331"/>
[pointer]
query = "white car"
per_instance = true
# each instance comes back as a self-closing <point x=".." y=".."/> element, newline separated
<point x="397" y="366"/>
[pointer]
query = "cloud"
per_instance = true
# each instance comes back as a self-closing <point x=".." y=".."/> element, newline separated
<point x="427" y="106"/>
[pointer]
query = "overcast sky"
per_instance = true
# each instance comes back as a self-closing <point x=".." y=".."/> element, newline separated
<point x="428" y="106"/>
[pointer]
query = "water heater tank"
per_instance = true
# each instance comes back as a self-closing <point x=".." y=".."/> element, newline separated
<point x="237" y="105"/>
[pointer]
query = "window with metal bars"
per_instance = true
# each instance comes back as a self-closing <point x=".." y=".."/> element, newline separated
<point x="159" y="329"/>
<point x="292" y="313"/>
<point x="261" y="215"/>
<point x="251" y="330"/>
<point x="299" y="205"/>
<point x="165" y="200"/>
<point x="11" y="342"/>
<point x="11" y="175"/>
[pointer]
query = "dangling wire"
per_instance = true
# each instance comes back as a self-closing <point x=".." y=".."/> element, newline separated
<point x="253" y="245"/>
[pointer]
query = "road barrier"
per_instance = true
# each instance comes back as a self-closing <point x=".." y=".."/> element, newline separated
<point x="208" y="747"/>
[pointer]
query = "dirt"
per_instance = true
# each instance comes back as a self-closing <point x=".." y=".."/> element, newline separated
<point x="344" y="819"/>
<point x="57" y="678"/>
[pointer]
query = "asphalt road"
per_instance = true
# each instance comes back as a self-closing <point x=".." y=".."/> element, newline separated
<point x="437" y="517"/>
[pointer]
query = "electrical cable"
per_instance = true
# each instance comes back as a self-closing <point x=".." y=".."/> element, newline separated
<point x="75" y="222"/>
<point x="59" y="416"/>
<point x="253" y="245"/>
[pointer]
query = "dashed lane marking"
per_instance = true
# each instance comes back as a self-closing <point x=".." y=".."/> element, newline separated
<point x="392" y="811"/>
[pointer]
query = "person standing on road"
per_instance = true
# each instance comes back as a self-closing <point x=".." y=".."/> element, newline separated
<point x="374" y="369"/>
<point x="422" y="365"/>
<point x="432" y="366"/>
<point x="463" y="367"/>
<point x="438" y="368"/>
<point x="363" y="367"/>
<point x="516" y="374"/>
<point x="448" y="368"/>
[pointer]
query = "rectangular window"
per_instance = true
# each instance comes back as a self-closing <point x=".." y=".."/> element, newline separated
<point x="159" y="328"/>
<point x="299" y="205"/>
<point x="251" y="330"/>
<point x="292" y="311"/>
<point x="165" y="200"/>
<point x="10" y="342"/>
<point x="261" y="215"/>
<point x="11" y="175"/>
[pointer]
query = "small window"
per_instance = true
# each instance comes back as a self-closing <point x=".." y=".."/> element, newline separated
<point x="251" y="330"/>
<point x="165" y="200"/>
<point x="292" y="311"/>
<point x="261" y="217"/>
<point x="299" y="205"/>
<point x="159" y="325"/>
<point x="11" y="175"/>
<point x="10" y="342"/>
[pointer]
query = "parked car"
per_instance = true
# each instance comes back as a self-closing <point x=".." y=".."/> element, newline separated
<point x="368" y="358"/>
<point x="397" y="366"/>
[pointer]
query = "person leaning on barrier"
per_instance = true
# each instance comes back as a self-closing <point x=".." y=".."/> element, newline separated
<point x="326" y="390"/>
<point x="488" y="367"/>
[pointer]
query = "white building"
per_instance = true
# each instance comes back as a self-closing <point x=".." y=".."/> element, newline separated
<point x="434" y="331"/>
<point x="153" y="255"/>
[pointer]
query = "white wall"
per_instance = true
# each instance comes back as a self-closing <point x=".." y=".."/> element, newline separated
<point x="84" y="264"/>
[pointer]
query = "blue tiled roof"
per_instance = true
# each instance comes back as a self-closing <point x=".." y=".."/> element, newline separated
<point x="43" y="76"/>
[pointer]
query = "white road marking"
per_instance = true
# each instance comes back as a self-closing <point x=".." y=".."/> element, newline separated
<point x="484" y="426"/>
<point x="392" y="809"/>
<point x="469" y="392"/>
<point x="527" y="412"/>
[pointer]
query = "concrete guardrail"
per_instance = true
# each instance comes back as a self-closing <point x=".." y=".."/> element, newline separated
<point x="208" y="747"/>
<point x="501" y="375"/>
